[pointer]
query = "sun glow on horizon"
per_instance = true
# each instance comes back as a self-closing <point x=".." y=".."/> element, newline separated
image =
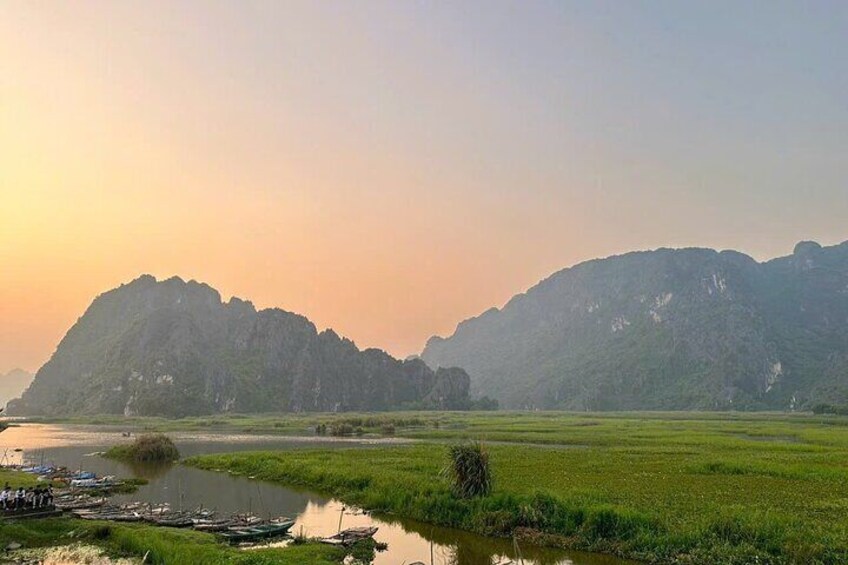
<point x="388" y="170"/>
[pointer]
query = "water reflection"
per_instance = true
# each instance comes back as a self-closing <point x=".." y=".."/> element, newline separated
<point x="188" y="488"/>
<point x="457" y="547"/>
<point x="149" y="470"/>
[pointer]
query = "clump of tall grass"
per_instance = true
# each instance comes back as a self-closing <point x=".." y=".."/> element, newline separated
<point x="359" y="425"/>
<point x="468" y="470"/>
<point x="341" y="429"/>
<point x="147" y="448"/>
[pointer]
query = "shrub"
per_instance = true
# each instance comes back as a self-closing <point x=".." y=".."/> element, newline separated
<point x="344" y="429"/>
<point x="101" y="532"/>
<point x="147" y="448"/>
<point x="830" y="409"/>
<point x="468" y="470"/>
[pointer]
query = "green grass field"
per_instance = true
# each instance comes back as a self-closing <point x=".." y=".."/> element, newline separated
<point x="684" y="487"/>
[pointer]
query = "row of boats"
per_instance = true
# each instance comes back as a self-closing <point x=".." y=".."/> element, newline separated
<point x="73" y="479"/>
<point x="86" y="500"/>
<point x="235" y="528"/>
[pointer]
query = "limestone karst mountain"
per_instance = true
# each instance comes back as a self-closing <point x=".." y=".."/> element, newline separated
<point x="666" y="329"/>
<point x="173" y="348"/>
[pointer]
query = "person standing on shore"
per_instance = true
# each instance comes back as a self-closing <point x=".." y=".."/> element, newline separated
<point x="4" y="497"/>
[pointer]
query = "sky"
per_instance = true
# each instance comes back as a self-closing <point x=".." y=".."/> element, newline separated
<point x="389" y="169"/>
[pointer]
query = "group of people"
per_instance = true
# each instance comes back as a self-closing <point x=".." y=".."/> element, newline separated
<point x="38" y="497"/>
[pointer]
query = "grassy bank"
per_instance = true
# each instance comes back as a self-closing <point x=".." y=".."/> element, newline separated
<point x="17" y="479"/>
<point x="161" y="545"/>
<point x="686" y="488"/>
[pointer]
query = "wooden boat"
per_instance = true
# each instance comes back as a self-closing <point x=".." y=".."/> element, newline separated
<point x="175" y="520"/>
<point x="135" y="506"/>
<point x="214" y="525"/>
<point x="39" y="470"/>
<point x="112" y="517"/>
<point x="24" y="513"/>
<point x="126" y="517"/>
<point x="351" y="535"/>
<point x="160" y="510"/>
<point x="208" y="523"/>
<point x="79" y="503"/>
<point x="253" y="533"/>
<point x="247" y="519"/>
<point x="104" y="483"/>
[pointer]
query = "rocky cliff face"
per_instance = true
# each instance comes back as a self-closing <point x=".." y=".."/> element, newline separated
<point x="666" y="329"/>
<point x="173" y="348"/>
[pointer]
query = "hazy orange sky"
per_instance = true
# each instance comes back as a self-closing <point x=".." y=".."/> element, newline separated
<point x="391" y="168"/>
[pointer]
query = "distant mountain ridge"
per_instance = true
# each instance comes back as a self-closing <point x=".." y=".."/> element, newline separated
<point x="12" y="384"/>
<point x="667" y="329"/>
<point x="173" y="348"/>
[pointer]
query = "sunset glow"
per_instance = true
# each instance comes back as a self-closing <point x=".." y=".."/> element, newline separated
<point x="390" y="169"/>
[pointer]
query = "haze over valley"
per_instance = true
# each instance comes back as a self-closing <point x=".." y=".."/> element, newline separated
<point x="12" y="384"/>
<point x="671" y="329"/>
<point x="429" y="283"/>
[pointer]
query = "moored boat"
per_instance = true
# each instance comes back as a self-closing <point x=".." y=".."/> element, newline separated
<point x="79" y="503"/>
<point x="214" y="525"/>
<point x="110" y="517"/>
<point x="351" y="535"/>
<point x="253" y="533"/>
<point x="174" y="520"/>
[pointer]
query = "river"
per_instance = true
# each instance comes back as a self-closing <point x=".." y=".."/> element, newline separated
<point x="189" y="488"/>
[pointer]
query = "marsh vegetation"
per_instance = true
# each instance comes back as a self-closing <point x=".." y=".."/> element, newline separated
<point x="468" y="470"/>
<point x="676" y="487"/>
<point x="146" y="448"/>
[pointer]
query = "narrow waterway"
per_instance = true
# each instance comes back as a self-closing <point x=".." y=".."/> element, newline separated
<point x="188" y="488"/>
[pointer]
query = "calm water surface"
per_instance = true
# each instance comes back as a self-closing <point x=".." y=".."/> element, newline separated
<point x="408" y="541"/>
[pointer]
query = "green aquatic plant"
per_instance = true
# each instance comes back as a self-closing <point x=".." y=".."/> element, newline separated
<point x="468" y="470"/>
<point x="146" y="448"/>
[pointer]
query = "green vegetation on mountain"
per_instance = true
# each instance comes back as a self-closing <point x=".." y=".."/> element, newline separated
<point x="172" y="348"/>
<point x="666" y="330"/>
<point x="696" y="488"/>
